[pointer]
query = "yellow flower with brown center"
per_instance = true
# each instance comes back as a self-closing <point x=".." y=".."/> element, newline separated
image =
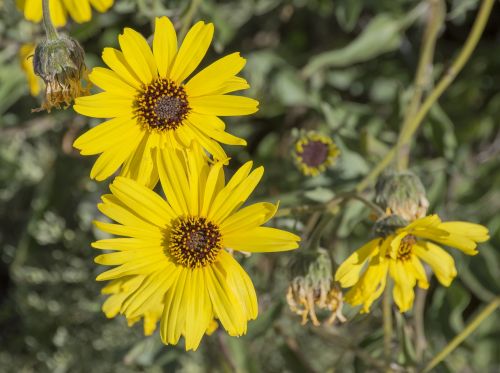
<point x="79" y="10"/>
<point x="172" y="260"/>
<point x="26" y="53"/>
<point x="152" y="107"/>
<point x="314" y="153"/>
<point x="400" y="255"/>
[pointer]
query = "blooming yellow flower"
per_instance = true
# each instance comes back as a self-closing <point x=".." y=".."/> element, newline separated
<point x="314" y="153"/>
<point x="399" y="255"/>
<point x="79" y="10"/>
<point x="152" y="108"/>
<point x="172" y="262"/>
<point x="26" y="53"/>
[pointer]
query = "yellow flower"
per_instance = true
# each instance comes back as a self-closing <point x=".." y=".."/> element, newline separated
<point x="314" y="153"/>
<point x="79" y="10"/>
<point x="152" y="108"/>
<point x="26" y="53"/>
<point x="172" y="261"/>
<point x="399" y="255"/>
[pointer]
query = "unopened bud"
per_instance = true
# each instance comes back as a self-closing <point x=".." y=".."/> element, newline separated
<point x="403" y="194"/>
<point x="60" y="63"/>
<point x="312" y="288"/>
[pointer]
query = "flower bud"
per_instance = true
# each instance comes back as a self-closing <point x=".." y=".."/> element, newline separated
<point x="60" y="63"/>
<point x="312" y="287"/>
<point x="403" y="194"/>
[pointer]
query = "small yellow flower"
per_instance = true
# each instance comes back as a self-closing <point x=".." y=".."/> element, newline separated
<point x="153" y="110"/>
<point x="171" y="262"/>
<point x="79" y="10"/>
<point x="26" y="53"/>
<point x="314" y="153"/>
<point x="399" y="255"/>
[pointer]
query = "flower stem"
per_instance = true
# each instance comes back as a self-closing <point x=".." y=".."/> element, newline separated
<point x="387" y="314"/>
<point x="188" y="18"/>
<point x="420" y="341"/>
<point x="446" y="80"/>
<point x="50" y="30"/>
<point x="435" y="15"/>
<point x="473" y="325"/>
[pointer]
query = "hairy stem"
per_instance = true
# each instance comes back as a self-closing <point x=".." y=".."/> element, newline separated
<point x="50" y="30"/>
<point x="446" y="80"/>
<point x="473" y="325"/>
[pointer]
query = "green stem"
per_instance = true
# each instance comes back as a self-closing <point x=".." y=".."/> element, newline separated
<point x="420" y="341"/>
<point x="188" y="18"/>
<point x="387" y="315"/>
<point x="473" y="325"/>
<point x="446" y="80"/>
<point x="436" y="14"/>
<point x="50" y="30"/>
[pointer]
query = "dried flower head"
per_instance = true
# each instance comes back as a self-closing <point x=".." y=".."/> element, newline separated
<point x="403" y="194"/>
<point x="313" y="287"/>
<point x="60" y="63"/>
<point x="314" y="153"/>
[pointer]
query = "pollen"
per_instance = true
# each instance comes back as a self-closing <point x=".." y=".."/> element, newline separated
<point x="194" y="242"/>
<point x="406" y="247"/>
<point x="162" y="106"/>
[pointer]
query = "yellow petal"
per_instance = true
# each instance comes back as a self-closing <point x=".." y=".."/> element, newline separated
<point x="261" y="239"/>
<point x="440" y="261"/>
<point x="117" y="62"/>
<point x="216" y="134"/>
<point x="173" y="317"/>
<point x="128" y="231"/>
<point x="223" y="105"/>
<point x="138" y="55"/>
<point x="164" y="45"/>
<point x="193" y="49"/>
<point x="348" y="272"/>
<point x="249" y="217"/>
<point x="141" y="165"/>
<point x="104" y="105"/>
<point x="101" y="5"/>
<point x="110" y="81"/>
<point x="213" y="77"/>
<point x="79" y="10"/>
<point x="110" y="160"/>
<point x="403" y="285"/>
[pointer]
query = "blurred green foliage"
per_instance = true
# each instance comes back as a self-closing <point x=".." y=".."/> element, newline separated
<point x="343" y="67"/>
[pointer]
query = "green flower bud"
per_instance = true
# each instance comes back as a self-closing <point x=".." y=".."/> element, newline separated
<point x="403" y="194"/>
<point x="60" y="63"/>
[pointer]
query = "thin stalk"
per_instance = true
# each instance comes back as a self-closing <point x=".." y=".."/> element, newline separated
<point x="435" y="14"/>
<point x="420" y="340"/>
<point x="50" y="30"/>
<point x="473" y="325"/>
<point x="446" y="80"/>
<point x="387" y="315"/>
<point x="188" y="18"/>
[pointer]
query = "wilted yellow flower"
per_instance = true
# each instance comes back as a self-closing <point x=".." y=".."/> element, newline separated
<point x="26" y="53"/>
<point x="60" y="63"/>
<point x="79" y="10"/>
<point x="314" y="153"/>
<point x="172" y="259"/>
<point x="399" y="256"/>
<point x="312" y="287"/>
<point x="153" y="110"/>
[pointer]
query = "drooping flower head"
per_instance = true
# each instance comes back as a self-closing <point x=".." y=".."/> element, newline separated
<point x="79" y="10"/>
<point x="153" y="108"/>
<point x="26" y="53"/>
<point x="172" y="262"/>
<point x="314" y="153"/>
<point x="400" y="255"/>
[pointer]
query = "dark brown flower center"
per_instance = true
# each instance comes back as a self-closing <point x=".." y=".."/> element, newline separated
<point x="162" y="106"/>
<point x="194" y="241"/>
<point x="314" y="153"/>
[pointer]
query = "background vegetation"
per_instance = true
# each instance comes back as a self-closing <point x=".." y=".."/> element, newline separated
<point x="344" y="67"/>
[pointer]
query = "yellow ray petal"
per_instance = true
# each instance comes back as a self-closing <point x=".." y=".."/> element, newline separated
<point x="216" y="134"/>
<point x="110" y="81"/>
<point x="261" y="239"/>
<point x="128" y="231"/>
<point x="79" y="10"/>
<point x="141" y="165"/>
<point x="164" y="45"/>
<point x="249" y="217"/>
<point x="138" y="55"/>
<point x="110" y="160"/>
<point x="101" y="5"/>
<point x="403" y="285"/>
<point x="104" y="105"/>
<point x="171" y="321"/>
<point x="349" y="271"/>
<point x="193" y="49"/>
<point x="439" y="260"/>
<point x="223" y="105"/>
<point x="213" y="77"/>
<point x="116" y="62"/>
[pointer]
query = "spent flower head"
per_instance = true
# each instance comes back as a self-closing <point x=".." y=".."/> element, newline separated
<point x="312" y="288"/>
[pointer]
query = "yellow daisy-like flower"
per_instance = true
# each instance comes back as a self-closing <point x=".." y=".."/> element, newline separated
<point x="152" y="108"/>
<point x="79" y="10"/>
<point x="399" y="255"/>
<point x="26" y="53"/>
<point x="314" y="153"/>
<point x="172" y="261"/>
